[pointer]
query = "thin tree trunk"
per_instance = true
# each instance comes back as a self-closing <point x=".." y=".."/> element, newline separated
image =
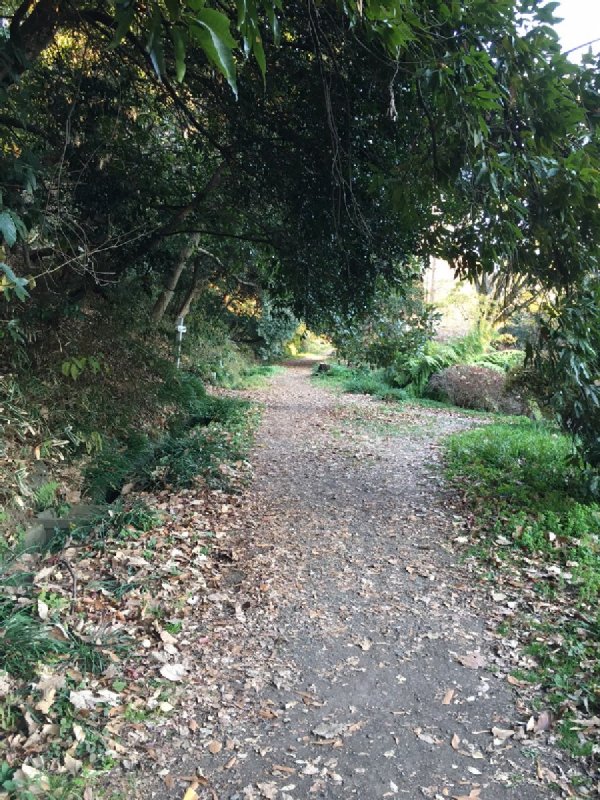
<point x="194" y="291"/>
<point x="183" y="213"/>
<point x="199" y="281"/>
<point x="165" y="297"/>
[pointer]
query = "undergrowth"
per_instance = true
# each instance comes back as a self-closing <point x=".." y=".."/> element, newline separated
<point x="408" y="375"/>
<point x="535" y="523"/>
<point x="361" y="380"/>
<point x="204" y="434"/>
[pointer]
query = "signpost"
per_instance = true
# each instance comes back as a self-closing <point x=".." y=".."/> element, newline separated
<point x="181" y="329"/>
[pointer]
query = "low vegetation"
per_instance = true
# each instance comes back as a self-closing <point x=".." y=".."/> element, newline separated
<point x="467" y="372"/>
<point x="112" y="442"/>
<point x="537" y="534"/>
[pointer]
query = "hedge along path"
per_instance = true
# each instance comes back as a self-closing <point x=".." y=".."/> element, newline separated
<point x="343" y="650"/>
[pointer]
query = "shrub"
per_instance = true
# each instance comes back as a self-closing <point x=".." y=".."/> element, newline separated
<point x="502" y="360"/>
<point x="470" y="386"/>
<point x="414" y="373"/>
<point x="373" y="382"/>
<point x="567" y="357"/>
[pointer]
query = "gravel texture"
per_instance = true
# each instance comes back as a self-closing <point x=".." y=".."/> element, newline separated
<point x="347" y="650"/>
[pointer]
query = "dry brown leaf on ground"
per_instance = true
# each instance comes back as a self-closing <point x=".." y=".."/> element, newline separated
<point x="501" y="735"/>
<point x="543" y="722"/>
<point x="473" y="660"/>
<point x="474" y="794"/>
<point x="448" y="697"/>
<point x="268" y="790"/>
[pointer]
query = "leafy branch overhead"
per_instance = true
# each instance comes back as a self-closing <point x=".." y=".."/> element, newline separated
<point x="313" y="149"/>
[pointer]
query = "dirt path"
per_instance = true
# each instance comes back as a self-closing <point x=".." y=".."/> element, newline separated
<point x="343" y="651"/>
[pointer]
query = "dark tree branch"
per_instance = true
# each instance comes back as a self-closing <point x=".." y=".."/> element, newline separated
<point x="223" y="234"/>
<point x="32" y="30"/>
<point x="7" y="121"/>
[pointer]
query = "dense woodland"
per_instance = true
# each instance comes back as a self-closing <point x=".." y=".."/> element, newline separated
<point x="267" y="173"/>
<point x="158" y="157"/>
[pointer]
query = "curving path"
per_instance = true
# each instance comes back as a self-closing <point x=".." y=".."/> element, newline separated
<point x="346" y="651"/>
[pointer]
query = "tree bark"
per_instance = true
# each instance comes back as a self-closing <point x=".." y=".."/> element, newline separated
<point x="165" y="297"/>
<point x="194" y="292"/>
<point x="183" y="213"/>
<point x="30" y="34"/>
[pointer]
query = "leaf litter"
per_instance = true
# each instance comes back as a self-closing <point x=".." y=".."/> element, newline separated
<point x="193" y="646"/>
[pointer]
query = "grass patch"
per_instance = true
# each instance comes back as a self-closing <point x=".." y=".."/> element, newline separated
<point x="536" y="527"/>
<point x="253" y="377"/>
<point x="204" y="435"/>
<point x="361" y="381"/>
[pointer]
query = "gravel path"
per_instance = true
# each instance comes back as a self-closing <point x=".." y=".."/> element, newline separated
<point x="347" y="652"/>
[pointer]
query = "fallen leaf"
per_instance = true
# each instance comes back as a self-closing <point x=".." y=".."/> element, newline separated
<point x="167" y="638"/>
<point x="267" y="713"/>
<point x="455" y="743"/>
<point x="169" y="781"/>
<point x="268" y="790"/>
<point x="474" y="794"/>
<point x="544" y="722"/>
<point x="448" y="697"/>
<point x="472" y="660"/>
<point x="501" y="734"/>
<point x="173" y="672"/>
<point x="78" y="732"/>
<point x="328" y="730"/>
<point x="42" y="609"/>
<point x="86" y="699"/>
<point x="191" y="793"/>
<point x="72" y="765"/>
<point x="215" y="747"/>
<point x="424" y="737"/>
<point x="45" y="704"/>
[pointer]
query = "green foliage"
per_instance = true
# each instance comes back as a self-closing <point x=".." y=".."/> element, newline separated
<point x="361" y="381"/>
<point x="115" y="465"/>
<point x="524" y="473"/>
<point x="45" y="496"/>
<point x="373" y="382"/>
<point x="529" y="504"/>
<point x="204" y="433"/>
<point x="398" y="324"/>
<point x="252" y="377"/>
<point x="502" y="360"/>
<point x="525" y="464"/>
<point x="305" y="342"/>
<point x="25" y="641"/>
<point x="74" y="366"/>
<point x="9" y="283"/>
<point x="567" y="359"/>
<point x="275" y="326"/>
<point x="414" y="370"/>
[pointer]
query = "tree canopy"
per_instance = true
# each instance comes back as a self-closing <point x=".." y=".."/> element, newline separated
<point x="296" y="154"/>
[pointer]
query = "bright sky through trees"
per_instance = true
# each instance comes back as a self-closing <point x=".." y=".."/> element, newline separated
<point x="581" y="24"/>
